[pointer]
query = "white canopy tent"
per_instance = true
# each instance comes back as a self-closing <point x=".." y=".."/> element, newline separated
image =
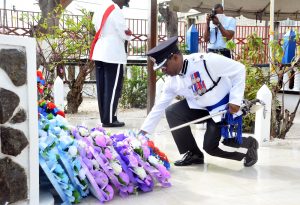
<point x="254" y="9"/>
<point x="272" y="10"/>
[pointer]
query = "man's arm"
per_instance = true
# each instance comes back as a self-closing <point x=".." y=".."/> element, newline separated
<point x="120" y="25"/>
<point x="227" y="33"/>
<point x="206" y="34"/>
<point x="158" y="109"/>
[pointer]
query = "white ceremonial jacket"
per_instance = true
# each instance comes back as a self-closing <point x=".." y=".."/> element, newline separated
<point x="110" y="45"/>
<point x="232" y="82"/>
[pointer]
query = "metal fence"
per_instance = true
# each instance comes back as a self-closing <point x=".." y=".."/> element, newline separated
<point x="15" y="22"/>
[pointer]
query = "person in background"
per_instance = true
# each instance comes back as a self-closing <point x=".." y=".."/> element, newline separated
<point x="210" y="83"/>
<point x="110" y="58"/>
<point x="219" y="30"/>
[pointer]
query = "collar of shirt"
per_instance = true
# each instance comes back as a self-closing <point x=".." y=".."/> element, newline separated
<point x="184" y="68"/>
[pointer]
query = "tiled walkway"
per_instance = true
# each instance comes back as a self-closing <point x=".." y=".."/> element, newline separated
<point x="274" y="180"/>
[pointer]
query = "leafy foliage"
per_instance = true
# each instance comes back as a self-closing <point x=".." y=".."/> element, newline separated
<point x="134" y="94"/>
<point x="281" y="119"/>
<point x="58" y="46"/>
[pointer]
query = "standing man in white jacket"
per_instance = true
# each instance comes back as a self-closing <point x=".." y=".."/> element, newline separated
<point x="108" y="52"/>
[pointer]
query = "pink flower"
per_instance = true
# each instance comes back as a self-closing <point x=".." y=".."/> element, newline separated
<point x="100" y="141"/>
<point x="108" y="153"/>
<point x="109" y="141"/>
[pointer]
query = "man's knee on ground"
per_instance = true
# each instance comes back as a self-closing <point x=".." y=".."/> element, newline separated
<point x="209" y="148"/>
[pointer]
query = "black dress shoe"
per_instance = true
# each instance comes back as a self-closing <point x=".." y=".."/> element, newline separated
<point x="251" y="155"/>
<point x="114" y="124"/>
<point x="190" y="158"/>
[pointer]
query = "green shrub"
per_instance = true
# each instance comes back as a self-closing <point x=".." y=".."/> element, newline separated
<point x="134" y="93"/>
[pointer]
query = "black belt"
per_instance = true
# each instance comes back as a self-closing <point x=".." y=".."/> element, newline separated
<point x="218" y="50"/>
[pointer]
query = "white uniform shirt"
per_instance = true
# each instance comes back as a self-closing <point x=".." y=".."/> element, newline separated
<point x="232" y="81"/>
<point x="110" y="45"/>
<point x="219" y="41"/>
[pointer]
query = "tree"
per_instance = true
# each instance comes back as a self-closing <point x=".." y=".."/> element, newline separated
<point x="65" y="46"/>
<point x="170" y="18"/>
<point x="48" y="6"/>
<point x="281" y="118"/>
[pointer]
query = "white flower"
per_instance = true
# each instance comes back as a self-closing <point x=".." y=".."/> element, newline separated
<point x="96" y="133"/>
<point x="120" y="144"/>
<point x="72" y="151"/>
<point x="82" y="174"/>
<point x="153" y="160"/>
<point x="81" y="144"/>
<point x="83" y="131"/>
<point x="95" y="164"/>
<point x="114" y="154"/>
<point x="116" y="167"/>
<point x="140" y="172"/>
<point x="135" y="143"/>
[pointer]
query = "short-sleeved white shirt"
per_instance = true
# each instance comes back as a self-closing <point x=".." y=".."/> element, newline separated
<point x="218" y="41"/>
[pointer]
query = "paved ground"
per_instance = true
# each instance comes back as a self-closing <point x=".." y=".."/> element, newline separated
<point x="274" y="180"/>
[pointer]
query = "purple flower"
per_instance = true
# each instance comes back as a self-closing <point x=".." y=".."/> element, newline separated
<point x="124" y="177"/>
<point x="146" y="152"/>
<point x="119" y="137"/>
<point x="88" y="163"/>
<point x="89" y="155"/>
<point x="132" y="160"/>
<point x="110" y="192"/>
<point x="100" y="178"/>
<point x="163" y="170"/>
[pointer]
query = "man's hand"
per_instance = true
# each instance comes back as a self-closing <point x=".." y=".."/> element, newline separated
<point x="233" y="108"/>
<point x="128" y="32"/>
<point x="215" y="20"/>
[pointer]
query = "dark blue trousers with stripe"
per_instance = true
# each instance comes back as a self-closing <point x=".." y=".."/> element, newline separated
<point x="180" y="113"/>
<point x="109" y="80"/>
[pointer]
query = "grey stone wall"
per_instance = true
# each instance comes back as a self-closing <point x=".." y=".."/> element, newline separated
<point x="13" y="178"/>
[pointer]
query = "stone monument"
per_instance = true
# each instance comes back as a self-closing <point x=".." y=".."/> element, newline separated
<point x="19" y="166"/>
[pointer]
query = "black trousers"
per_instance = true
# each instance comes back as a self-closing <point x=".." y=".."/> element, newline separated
<point x="179" y="113"/>
<point x="225" y="52"/>
<point x="109" y="80"/>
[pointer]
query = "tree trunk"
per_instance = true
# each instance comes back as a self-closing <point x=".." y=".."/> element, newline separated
<point x="171" y="20"/>
<point x="48" y="7"/>
<point x="71" y="73"/>
<point x="74" y="96"/>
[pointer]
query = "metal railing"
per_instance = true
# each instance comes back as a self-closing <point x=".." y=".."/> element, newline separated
<point x="15" y="22"/>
